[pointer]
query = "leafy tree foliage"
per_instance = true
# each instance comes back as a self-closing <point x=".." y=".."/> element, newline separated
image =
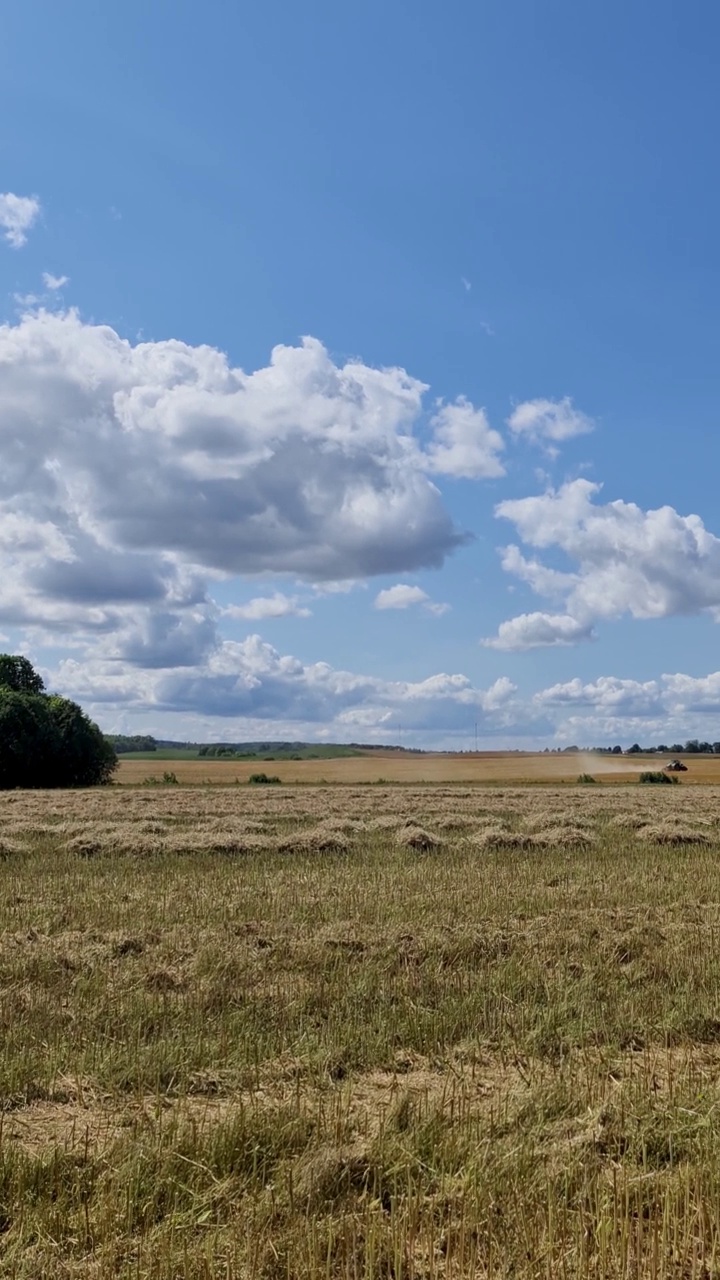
<point x="18" y="674"/>
<point x="46" y="740"/>
<point x="84" y="757"/>
<point x="27" y="739"/>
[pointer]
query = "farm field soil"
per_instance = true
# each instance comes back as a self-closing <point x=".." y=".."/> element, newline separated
<point x="495" y="767"/>
<point x="409" y="1033"/>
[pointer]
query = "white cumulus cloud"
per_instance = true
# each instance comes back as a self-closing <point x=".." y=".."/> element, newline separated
<point x="607" y="693"/>
<point x="302" y="467"/>
<point x="623" y="560"/>
<point x="671" y="708"/>
<point x="683" y="694"/>
<point x="538" y="630"/>
<point x="549" y="420"/>
<point x="250" y="682"/>
<point x="134" y="474"/>
<point x="17" y="216"/>
<point x="183" y="682"/>
<point x="465" y="445"/>
<point x="402" y="596"/>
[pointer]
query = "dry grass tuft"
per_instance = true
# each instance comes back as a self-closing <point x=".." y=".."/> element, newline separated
<point x="215" y="844"/>
<point x="327" y="837"/>
<point x="627" y="821"/>
<point x="331" y="1175"/>
<point x="9" y="848"/>
<point x="86" y="846"/>
<point x="564" y="837"/>
<point x="497" y="837"/>
<point x="417" y="838"/>
<point x="668" y="833"/>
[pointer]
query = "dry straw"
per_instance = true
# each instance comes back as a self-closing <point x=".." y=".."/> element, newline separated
<point x="417" y="838"/>
<point x="249" y="1032"/>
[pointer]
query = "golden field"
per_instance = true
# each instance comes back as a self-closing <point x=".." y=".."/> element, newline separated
<point x="404" y="1032"/>
<point x="501" y="766"/>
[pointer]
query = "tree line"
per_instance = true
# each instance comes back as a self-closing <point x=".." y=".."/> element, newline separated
<point x="694" y="746"/>
<point x="124" y="742"/>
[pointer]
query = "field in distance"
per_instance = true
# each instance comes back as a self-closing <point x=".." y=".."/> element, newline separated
<point x="360" y="1033"/>
<point x="401" y="767"/>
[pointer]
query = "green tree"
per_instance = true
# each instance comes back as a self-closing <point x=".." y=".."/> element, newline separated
<point x="27" y="740"/>
<point x="46" y="740"/>
<point x="85" y="758"/>
<point x="18" y="674"/>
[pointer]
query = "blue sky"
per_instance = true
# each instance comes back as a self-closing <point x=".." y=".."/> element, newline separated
<point x="483" y="490"/>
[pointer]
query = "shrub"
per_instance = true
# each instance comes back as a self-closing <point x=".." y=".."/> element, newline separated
<point x="658" y="777"/>
<point x="263" y="779"/>
<point x="586" y="777"/>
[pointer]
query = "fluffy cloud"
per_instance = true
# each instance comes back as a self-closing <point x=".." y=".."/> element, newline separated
<point x="683" y="694"/>
<point x="538" y="630"/>
<point x="162" y="638"/>
<point x="608" y="694"/>
<point x="669" y="709"/>
<point x="402" y="596"/>
<point x="211" y="688"/>
<point x="132" y="475"/>
<point x="648" y="564"/>
<point x="301" y="467"/>
<point x="549" y="420"/>
<point x="17" y="216"/>
<point x="465" y="444"/>
<point x="250" y="682"/>
<point x="278" y="605"/>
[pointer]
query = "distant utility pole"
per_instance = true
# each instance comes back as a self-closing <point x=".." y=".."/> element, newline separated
<point x="476" y="737"/>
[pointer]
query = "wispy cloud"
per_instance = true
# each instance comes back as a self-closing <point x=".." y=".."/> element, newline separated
<point x="403" y="595"/>
<point x="277" y="605"/>
<point x="17" y="216"/>
<point x="54" y="282"/>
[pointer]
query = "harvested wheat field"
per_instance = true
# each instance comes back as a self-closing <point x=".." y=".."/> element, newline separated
<point x="512" y="767"/>
<point x="360" y="1032"/>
